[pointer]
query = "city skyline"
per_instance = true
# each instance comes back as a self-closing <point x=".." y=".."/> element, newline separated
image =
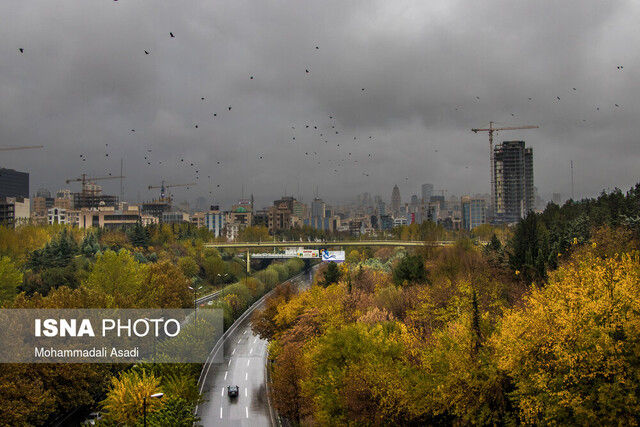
<point x="91" y="95"/>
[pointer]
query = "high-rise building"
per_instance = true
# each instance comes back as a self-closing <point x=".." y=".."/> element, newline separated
<point x="440" y="200"/>
<point x="396" y="201"/>
<point x="280" y="216"/>
<point x="474" y="212"/>
<point x="427" y="192"/>
<point x="14" y="183"/>
<point x="14" y="211"/>
<point x="318" y="208"/>
<point x="513" y="187"/>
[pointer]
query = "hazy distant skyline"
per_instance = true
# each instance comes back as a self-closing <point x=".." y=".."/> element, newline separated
<point x="430" y="71"/>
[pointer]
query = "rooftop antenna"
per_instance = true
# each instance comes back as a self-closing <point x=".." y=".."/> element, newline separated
<point x="572" y="196"/>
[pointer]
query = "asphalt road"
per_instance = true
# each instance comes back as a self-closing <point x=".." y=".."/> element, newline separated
<point x="244" y="358"/>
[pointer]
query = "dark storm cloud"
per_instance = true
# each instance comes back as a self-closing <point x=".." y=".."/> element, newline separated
<point x="84" y="81"/>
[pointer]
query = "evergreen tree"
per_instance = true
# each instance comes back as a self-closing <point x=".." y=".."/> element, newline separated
<point x="331" y="275"/>
<point x="57" y="253"/>
<point x="410" y="269"/>
<point x="138" y="236"/>
<point x="90" y="245"/>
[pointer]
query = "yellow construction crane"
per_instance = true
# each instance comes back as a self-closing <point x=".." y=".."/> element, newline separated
<point x="164" y="186"/>
<point x="25" y="147"/>
<point x="491" y="130"/>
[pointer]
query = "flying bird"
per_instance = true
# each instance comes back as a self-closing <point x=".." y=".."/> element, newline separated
<point x="146" y="52"/>
<point x="229" y="107"/>
<point x="171" y="34"/>
<point x="21" y="50"/>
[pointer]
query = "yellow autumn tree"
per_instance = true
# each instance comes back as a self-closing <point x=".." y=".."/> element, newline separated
<point x="124" y="401"/>
<point x="573" y="349"/>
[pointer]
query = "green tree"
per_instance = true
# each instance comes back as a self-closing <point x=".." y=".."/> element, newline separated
<point x="332" y="274"/>
<point x="410" y="269"/>
<point x="57" y="253"/>
<point x="189" y="266"/>
<point x="494" y="244"/>
<point x="214" y="268"/>
<point x="529" y="250"/>
<point x="175" y="412"/>
<point x="120" y="277"/>
<point x="10" y="279"/>
<point x="90" y="245"/>
<point x="255" y="233"/>
<point x="138" y="236"/>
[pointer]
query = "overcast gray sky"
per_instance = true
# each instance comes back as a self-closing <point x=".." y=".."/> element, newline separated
<point x="84" y="81"/>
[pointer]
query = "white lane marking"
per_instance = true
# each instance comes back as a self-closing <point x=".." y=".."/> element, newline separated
<point x="254" y="341"/>
<point x="245" y="392"/>
<point x="221" y="412"/>
<point x="245" y="331"/>
<point x="225" y="378"/>
<point x="239" y="340"/>
<point x="246" y="376"/>
<point x="222" y="394"/>
<point x="248" y="362"/>
<point x="251" y="350"/>
<point x="246" y="411"/>
<point x="233" y="352"/>
<point x="229" y="364"/>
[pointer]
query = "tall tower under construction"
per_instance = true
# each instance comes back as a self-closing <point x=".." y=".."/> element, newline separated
<point x="513" y="185"/>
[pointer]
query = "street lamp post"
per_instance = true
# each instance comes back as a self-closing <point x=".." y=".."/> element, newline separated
<point x="144" y="405"/>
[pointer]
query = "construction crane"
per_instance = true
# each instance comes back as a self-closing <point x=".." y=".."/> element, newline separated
<point x="84" y="179"/>
<point x="25" y="147"/>
<point x="491" y="130"/>
<point x="164" y="186"/>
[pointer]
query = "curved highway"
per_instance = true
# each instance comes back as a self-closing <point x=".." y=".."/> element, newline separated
<point x="243" y="360"/>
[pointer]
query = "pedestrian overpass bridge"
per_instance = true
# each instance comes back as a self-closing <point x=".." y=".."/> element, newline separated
<point x="315" y="244"/>
<point x="324" y="244"/>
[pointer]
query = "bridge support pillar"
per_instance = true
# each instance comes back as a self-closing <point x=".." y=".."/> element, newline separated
<point x="248" y="262"/>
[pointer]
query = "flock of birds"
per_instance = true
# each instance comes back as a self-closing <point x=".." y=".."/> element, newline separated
<point x="325" y="142"/>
